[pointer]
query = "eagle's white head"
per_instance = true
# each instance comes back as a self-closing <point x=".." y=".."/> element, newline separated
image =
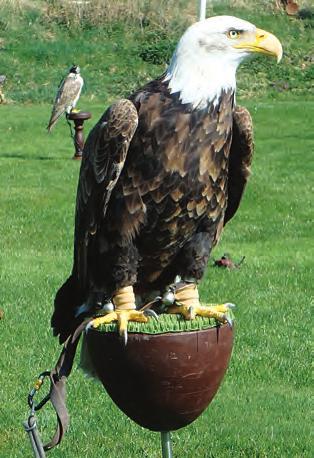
<point x="208" y="54"/>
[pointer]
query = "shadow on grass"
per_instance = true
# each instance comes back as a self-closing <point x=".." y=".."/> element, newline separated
<point x="32" y="158"/>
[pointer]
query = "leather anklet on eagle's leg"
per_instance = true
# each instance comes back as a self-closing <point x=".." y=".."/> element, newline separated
<point x="125" y="311"/>
<point x="188" y="305"/>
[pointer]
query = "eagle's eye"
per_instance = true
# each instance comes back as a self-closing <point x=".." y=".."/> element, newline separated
<point x="233" y="34"/>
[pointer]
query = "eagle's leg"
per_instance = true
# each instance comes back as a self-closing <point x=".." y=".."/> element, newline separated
<point x="121" y="274"/>
<point x="187" y="304"/>
<point x="194" y="258"/>
<point x="125" y="311"/>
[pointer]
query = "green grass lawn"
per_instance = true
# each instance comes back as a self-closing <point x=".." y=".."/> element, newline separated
<point x="262" y="408"/>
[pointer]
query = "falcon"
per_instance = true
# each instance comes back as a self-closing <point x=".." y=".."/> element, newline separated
<point x="69" y="92"/>
<point x="162" y="173"/>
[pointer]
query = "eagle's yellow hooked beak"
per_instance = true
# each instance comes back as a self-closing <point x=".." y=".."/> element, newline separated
<point x="262" y="42"/>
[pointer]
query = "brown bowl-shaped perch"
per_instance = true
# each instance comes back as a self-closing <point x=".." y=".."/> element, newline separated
<point x="162" y="381"/>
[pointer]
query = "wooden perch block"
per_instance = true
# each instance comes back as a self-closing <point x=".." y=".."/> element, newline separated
<point x="79" y="118"/>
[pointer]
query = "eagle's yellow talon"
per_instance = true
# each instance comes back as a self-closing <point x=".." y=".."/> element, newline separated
<point x="190" y="312"/>
<point x="222" y="308"/>
<point x="105" y="319"/>
<point x="187" y="304"/>
<point x="124" y="302"/>
<point x="122" y="317"/>
<point x="218" y="312"/>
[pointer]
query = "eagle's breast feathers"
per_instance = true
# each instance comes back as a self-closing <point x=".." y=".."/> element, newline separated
<point x="177" y="165"/>
<point x="156" y="171"/>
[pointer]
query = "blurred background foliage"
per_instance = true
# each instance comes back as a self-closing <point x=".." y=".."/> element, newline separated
<point x="121" y="44"/>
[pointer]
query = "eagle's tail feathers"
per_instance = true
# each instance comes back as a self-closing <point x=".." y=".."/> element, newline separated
<point x="67" y="299"/>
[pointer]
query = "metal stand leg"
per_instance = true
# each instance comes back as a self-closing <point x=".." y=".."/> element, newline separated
<point x="166" y="446"/>
<point x="31" y="428"/>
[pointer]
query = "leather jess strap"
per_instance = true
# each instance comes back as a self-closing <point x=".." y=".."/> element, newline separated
<point x="58" y="377"/>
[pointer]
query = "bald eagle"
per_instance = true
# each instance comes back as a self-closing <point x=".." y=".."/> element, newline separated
<point x="162" y="172"/>
<point x="69" y="92"/>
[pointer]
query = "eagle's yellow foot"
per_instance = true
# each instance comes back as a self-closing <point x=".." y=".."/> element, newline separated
<point x="186" y="303"/>
<point x="219" y="311"/>
<point x="122" y="317"/>
<point x="125" y="311"/>
<point x="75" y="110"/>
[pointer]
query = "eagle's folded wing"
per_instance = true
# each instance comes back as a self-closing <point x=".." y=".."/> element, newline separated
<point x="103" y="159"/>
<point x="240" y="159"/>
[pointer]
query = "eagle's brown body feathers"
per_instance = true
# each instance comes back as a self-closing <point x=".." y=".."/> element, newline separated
<point x="157" y="183"/>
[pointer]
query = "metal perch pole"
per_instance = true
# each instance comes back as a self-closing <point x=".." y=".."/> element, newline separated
<point x="202" y="10"/>
<point x="165" y="436"/>
<point x="166" y="444"/>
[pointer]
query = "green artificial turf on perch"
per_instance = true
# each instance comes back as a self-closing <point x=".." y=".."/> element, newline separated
<point x="166" y="323"/>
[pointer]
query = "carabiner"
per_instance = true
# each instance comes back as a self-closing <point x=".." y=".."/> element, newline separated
<point x="38" y="384"/>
